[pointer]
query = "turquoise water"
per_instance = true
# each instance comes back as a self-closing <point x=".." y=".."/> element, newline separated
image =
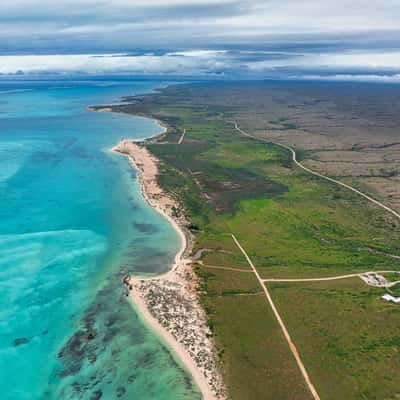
<point x="72" y="223"/>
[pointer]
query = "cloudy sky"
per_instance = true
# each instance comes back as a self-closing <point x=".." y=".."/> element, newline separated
<point x="335" y="39"/>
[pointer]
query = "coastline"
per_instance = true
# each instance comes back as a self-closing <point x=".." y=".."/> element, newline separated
<point x="168" y="303"/>
<point x="173" y="345"/>
<point x="108" y="109"/>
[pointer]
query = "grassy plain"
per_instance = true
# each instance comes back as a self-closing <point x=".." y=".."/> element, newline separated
<point x="347" y="335"/>
<point x="292" y="225"/>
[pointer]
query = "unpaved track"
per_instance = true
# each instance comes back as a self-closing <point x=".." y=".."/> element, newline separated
<point x="224" y="268"/>
<point x="310" y="171"/>
<point x="329" y="278"/>
<point x="263" y="281"/>
<point x="292" y="347"/>
<point x="182" y="137"/>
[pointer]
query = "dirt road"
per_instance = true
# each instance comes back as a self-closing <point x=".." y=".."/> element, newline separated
<point x="310" y="171"/>
<point x="292" y="347"/>
<point x="329" y="278"/>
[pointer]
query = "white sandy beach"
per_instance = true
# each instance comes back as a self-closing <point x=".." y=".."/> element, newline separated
<point x="172" y="344"/>
<point x="168" y="303"/>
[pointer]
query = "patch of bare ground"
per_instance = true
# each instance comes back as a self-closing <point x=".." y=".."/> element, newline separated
<point x="385" y="188"/>
<point x="344" y="132"/>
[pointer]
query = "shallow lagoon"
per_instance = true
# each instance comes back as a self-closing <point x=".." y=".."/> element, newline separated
<point x="72" y="223"/>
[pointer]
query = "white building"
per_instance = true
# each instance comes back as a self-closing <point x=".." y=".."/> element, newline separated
<point x="389" y="297"/>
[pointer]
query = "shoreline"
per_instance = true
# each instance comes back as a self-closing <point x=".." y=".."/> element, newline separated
<point x="108" y="109"/>
<point x="178" y="352"/>
<point x="153" y="203"/>
<point x="168" y="302"/>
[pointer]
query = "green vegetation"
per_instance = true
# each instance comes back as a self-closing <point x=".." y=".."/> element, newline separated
<point x="395" y="290"/>
<point x="347" y="336"/>
<point x="292" y="225"/>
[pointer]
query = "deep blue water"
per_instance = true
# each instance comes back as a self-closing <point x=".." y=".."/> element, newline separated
<point x="72" y="223"/>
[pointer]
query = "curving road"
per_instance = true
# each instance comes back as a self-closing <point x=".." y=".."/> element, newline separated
<point x="310" y="171"/>
<point x="263" y="281"/>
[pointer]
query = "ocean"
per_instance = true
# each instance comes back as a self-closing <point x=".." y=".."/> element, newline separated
<point x="72" y="224"/>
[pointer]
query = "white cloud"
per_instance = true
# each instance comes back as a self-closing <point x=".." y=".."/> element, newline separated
<point x="269" y="38"/>
<point x="351" y="78"/>
<point x="359" y="60"/>
<point x="205" y="62"/>
<point x="111" y="63"/>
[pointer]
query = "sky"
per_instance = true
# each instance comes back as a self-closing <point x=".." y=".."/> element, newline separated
<point x="297" y="39"/>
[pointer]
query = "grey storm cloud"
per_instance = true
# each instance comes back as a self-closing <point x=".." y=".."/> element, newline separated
<point x="257" y="36"/>
<point x="121" y="25"/>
